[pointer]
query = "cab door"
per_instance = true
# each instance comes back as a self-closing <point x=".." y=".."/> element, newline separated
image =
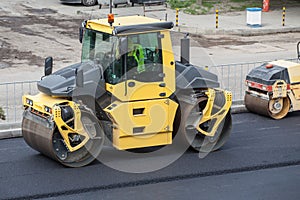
<point x="148" y="69"/>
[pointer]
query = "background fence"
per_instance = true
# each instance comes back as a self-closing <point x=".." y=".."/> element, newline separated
<point x="11" y="99"/>
<point x="231" y="77"/>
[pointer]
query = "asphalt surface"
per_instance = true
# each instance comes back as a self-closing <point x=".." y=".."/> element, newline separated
<point x="261" y="184"/>
<point x="261" y="160"/>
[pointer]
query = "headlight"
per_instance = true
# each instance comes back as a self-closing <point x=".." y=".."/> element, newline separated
<point x="29" y="102"/>
<point x="264" y="87"/>
<point x="48" y="110"/>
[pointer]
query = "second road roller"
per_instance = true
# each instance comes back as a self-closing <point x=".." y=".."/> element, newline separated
<point x="273" y="89"/>
<point x="128" y="91"/>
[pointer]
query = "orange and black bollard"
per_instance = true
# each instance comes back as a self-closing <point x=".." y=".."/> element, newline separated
<point x="177" y="11"/>
<point x="217" y="18"/>
<point x="283" y="16"/>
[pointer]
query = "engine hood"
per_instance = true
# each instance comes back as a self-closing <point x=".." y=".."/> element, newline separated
<point x="190" y="76"/>
<point x="62" y="83"/>
<point x="268" y="76"/>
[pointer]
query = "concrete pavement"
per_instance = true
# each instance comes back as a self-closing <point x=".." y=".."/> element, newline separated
<point x="229" y="23"/>
<point x="236" y="23"/>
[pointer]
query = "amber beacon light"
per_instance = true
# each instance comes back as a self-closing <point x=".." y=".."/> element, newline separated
<point x="111" y="18"/>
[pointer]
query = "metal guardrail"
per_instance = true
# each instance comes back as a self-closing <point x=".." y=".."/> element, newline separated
<point x="231" y="77"/>
<point x="11" y="99"/>
<point x="147" y="8"/>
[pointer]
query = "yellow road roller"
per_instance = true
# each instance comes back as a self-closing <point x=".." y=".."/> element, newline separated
<point x="273" y="89"/>
<point x="127" y="91"/>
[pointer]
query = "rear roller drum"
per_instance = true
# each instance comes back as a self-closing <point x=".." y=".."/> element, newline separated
<point x="50" y="142"/>
<point x="198" y="141"/>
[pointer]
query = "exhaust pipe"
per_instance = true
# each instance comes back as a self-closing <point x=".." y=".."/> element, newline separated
<point x="185" y="50"/>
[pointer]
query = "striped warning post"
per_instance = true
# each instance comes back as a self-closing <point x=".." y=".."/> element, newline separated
<point x="177" y="11"/>
<point x="283" y="16"/>
<point x="217" y="18"/>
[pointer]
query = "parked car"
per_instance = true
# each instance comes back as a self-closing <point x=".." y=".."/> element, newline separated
<point x="147" y="2"/>
<point x="114" y="2"/>
<point x="84" y="2"/>
<point x="94" y="2"/>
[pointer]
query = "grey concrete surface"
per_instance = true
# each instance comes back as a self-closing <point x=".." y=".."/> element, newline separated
<point x="229" y="23"/>
<point x="235" y="23"/>
<point x="10" y="130"/>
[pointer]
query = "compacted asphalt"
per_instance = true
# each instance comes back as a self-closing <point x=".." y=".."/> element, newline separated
<point x="261" y="160"/>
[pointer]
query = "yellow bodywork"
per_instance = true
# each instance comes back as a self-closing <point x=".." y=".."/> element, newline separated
<point x="294" y="76"/>
<point x="150" y="90"/>
<point x="142" y="123"/>
<point x="154" y="125"/>
<point x="41" y="101"/>
<point x="293" y="69"/>
<point x="218" y="116"/>
<point x="295" y="102"/>
<point x="279" y="89"/>
<point x="65" y="130"/>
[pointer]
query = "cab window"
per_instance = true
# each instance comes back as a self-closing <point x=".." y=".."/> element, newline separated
<point x="141" y="62"/>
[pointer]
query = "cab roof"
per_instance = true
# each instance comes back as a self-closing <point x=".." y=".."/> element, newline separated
<point x="128" y="20"/>
<point x="292" y="67"/>
<point x="128" y="24"/>
<point x="286" y="64"/>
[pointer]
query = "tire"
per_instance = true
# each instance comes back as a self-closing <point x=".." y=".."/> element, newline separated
<point x="89" y="2"/>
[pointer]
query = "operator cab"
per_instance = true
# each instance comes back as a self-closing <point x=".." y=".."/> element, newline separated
<point x="136" y="56"/>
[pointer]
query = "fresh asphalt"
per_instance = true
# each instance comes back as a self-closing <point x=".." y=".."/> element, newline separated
<point x="261" y="160"/>
<point x="276" y="184"/>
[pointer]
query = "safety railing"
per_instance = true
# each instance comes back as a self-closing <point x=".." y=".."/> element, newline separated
<point x="147" y="7"/>
<point x="11" y="99"/>
<point x="231" y="77"/>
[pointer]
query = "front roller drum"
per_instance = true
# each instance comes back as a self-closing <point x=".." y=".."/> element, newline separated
<point x="43" y="136"/>
<point x="274" y="108"/>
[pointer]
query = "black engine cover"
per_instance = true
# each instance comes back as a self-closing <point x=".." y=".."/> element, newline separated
<point x="268" y="76"/>
<point x="191" y="77"/>
<point x="62" y="82"/>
